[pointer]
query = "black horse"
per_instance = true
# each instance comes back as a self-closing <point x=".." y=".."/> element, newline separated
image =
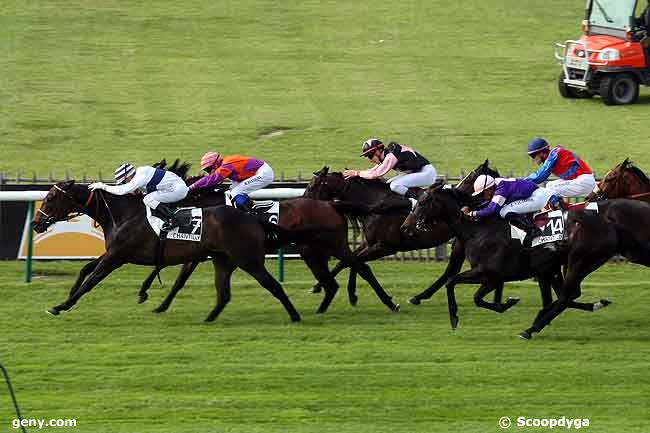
<point x="232" y="238"/>
<point x="382" y="213"/>
<point x="494" y="257"/>
<point x="621" y="226"/>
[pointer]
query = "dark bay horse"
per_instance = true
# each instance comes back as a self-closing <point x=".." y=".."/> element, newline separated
<point x="232" y="238"/>
<point x="623" y="181"/>
<point x="326" y="236"/>
<point x="495" y="258"/>
<point x="383" y="234"/>
<point x="621" y="226"/>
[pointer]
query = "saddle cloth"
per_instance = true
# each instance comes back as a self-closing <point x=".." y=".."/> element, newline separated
<point x="190" y="228"/>
<point x="552" y="224"/>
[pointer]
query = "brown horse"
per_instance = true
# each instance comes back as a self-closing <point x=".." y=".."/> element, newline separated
<point x="623" y="181"/>
<point x="232" y="238"/>
<point x="621" y="226"/>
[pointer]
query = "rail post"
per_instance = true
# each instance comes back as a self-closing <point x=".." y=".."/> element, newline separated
<point x="30" y="242"/>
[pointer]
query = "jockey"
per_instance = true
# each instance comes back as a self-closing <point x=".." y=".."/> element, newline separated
<point x="416" y="170"/>
<point x="511" y="199"/>
<point x="159" y="187"/>
<point x="576" y="178"/>
<point x="246" y="174"/>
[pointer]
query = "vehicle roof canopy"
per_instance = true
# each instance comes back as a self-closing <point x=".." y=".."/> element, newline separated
<point x="611" y="14"/>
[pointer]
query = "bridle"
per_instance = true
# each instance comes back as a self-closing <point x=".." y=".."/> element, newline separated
<point x="601" y="195"/>
<point x="80" y="209"/>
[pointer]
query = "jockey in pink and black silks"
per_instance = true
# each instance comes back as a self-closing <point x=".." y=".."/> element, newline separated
<point x="415" y="170"/>
<point x="246" y="174"/>
<point x="575" y="177"/>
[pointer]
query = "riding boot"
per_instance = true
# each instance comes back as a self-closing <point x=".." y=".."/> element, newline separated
<point x="243" y="203"/>
<point x="524" y="223"/>
<point x="412" y="196"/>
<point x="167" y="214"/>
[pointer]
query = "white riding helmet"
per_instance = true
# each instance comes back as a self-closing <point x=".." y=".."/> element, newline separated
<point x="123" y="171"/>
<point x="482" y="183"/>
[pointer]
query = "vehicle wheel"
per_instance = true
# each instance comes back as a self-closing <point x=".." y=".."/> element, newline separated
<point x="572" y="92"/>
<point x="619" y="89"/>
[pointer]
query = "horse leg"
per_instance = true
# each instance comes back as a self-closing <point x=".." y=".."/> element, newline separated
<point x="83" y="273"/>
<point x="577" y="270"/>
<point x="317" y="264"/>
<point x="494" y="306"/>
<point x="223" y="269"/>
<point x="335" y="271"/>
<point x="266" y="280"/>
<point x="453" y="268"/>
<point x="473" y="275"/>
<point x="181" y="279"/>
<point x="105" y="265"/>
<point x="367" y="254"/>
<point x="557" y="283"/>
<point x="146" y="284"/>
<point x="366" y="273"/>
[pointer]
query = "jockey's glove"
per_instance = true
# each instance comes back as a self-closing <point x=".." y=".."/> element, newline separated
<point x="97" y="185"/>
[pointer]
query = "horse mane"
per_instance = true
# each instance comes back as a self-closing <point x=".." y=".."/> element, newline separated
<point x="179" y="168"/>
<point x="629" y="166"/>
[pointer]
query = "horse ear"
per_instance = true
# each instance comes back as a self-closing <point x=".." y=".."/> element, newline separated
<point x="486" y="163"/>
<point x="326" y="169"/>
<point x="626" y="162"/>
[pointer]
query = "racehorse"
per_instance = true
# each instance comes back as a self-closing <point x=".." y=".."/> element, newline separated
<point x="232" y="238"/>
<point x="304" y="215"/>
<point x="495" y="257"/>
<point x="383" y="234"/>
<point x="623" y="181"/>
<point x="620" y="226"/>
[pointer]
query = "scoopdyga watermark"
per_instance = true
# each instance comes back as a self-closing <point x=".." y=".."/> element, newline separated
<point x="551" y="423"/>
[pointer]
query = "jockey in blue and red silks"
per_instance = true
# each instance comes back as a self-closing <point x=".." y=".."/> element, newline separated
<point x="575" y="177"/>
<point x="246" y="174"/>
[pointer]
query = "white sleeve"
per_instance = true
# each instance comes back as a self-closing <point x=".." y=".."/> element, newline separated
<point x="138" y="181"/>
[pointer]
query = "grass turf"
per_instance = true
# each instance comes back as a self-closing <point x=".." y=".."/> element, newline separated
<point x="87" y="85"/>
<point x="116" y="367"/>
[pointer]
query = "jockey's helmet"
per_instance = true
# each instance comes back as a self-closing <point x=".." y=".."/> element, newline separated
<point x="536" y="145"/>
<point x="483" y="182"/>
<point x="370" y="145"/>
<point x="123" y="172"/>
<point x="209" y="159"/>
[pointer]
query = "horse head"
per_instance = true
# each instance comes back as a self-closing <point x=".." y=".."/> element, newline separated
<point x="466" y="184"/>
<point x="325" y="185"/>
<point x="63" y="199"/>
<point x="624" y="180"/>
<point x="438" y="203"/>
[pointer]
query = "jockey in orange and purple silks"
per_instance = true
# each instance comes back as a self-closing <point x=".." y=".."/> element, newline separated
<point x="246" y="174"/>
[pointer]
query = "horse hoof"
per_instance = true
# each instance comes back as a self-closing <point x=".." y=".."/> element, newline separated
<point x="353" y="301"/>
<point x="601" y="304"/>
<point x="142" y="299"/>
<point x="315" y="289"/>
<point x="413" y="301"/>
<point x="295" y="319"/>
<point x="52" y="311"/>
<point x="454" y="323"/>
<point x="159" y="310"/>
<point x="396" y="308"/>
<point x="513" y="301"/>
<point x="525" y="335"/>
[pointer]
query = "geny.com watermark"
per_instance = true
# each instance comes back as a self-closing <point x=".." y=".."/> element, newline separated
<point x="564" y="422"/>
<point x="42" y="423"/>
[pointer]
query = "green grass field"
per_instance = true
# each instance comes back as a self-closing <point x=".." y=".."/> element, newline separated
<point x="86" y="85"/>
<point x="116" y="367"/>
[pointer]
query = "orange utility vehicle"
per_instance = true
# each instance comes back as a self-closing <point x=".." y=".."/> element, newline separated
<point x="611" y="57"/>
